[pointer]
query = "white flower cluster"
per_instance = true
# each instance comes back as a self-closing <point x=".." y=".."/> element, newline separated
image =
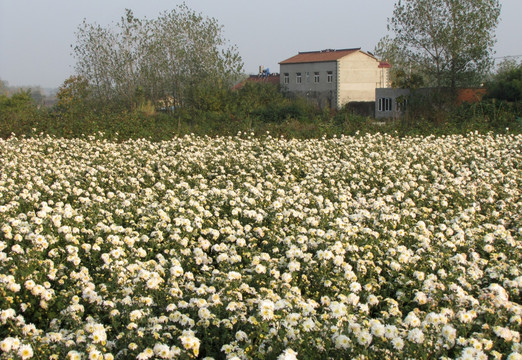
<point x="244" y="248"/>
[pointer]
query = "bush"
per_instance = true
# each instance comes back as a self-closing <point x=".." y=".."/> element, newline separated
<point x="18" y="114"/>
<point x="507" y="85"/>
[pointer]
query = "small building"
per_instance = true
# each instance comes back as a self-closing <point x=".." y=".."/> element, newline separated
<point x="334" y="77"/>
<point x="390" y="103"/>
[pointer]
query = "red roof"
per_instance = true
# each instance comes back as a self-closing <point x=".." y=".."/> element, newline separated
<point x="319" y="56"/>
<point x="272" y="79"/>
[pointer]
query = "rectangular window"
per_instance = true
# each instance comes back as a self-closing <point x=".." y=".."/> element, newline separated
<point x="307" y="77"/>
<point x="298" y="78"/>
<point x="385" y="104"/>
<point x="329" y="77"/>
<point x="316" y="77"/>
<point x="286" y="78"/>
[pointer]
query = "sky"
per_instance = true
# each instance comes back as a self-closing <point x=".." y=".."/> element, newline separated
<point x="36" y="35"/>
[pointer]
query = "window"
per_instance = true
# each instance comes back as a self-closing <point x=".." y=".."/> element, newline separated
<point x="286" y="78"/>
<point x="385" y="104"/>
<point x="329" y="77"/>
<point x="307" y="77"/>
<point x="298" y="78"/>
<point x="316" y="77"/>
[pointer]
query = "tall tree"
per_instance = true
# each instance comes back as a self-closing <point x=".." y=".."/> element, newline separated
<point x="161" y="60"/>
<point x="404" y="72"/>
<point x="450" y="40"/>
<point x="4" y="87"/>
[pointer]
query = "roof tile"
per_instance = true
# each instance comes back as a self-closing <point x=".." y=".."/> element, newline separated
<point x="319" y="56"/>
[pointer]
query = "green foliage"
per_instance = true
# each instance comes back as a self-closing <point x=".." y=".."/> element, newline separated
<point x="18" y="114"/>
<point x="171" y="59"/>
<point x="253" y="108"/>
<point x="449" y="41"/>
<point x="506" y="85"/>
<point x="73" y="96"/>
<point x="280" y="113"/>
<point x="489" y="114"/>
<point x="404" y="73"/>
<point x="252" y="96"/>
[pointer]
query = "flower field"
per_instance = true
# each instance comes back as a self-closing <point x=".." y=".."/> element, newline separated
<point x="370" y="247"/>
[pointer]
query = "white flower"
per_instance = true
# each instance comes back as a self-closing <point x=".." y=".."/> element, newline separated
<point x="73" y="355"/>
<point x="398" y="343"/>
<point x="190" y="341"/>
<point x="449" y="333"/>
<point x="162" y="350"/>
<point x="308" y="325"/>
<point x="241" y="336"/>
<point x="364" y="338"/>
<point x="288" y="354"/>
<point x="266" y="309"/>
<point x="390" y="331"/>
<point x="260" y="269"/>
<point x="514" y="356"/>
<point x="377" y="328"/>
<point x="338" y="309"/>
<point x="342" y="342"/>
<point x="355" y="287"/>
<point x="234" y="275"/>
<point x="25" y="351"/>
<point x="420" y="298"/>
<point x="416" y="336"/>
<point x="412" y="320"/>
<point x="204" y="313"/>
<point x="6" y="344"/>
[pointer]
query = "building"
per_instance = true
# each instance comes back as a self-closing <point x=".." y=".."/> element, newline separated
<point x="334" y="77"/>
<point x="264" y="76"/>
<point x="390" y="103"/>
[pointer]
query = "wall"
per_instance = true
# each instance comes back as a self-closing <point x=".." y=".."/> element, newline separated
<point x="323" y="93"/>
<point x="359" y="76"/>
<point x="399" y="98"/>
<point x="392" y="94"/>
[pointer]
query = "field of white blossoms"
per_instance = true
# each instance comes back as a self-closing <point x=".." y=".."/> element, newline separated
<point x="370" y="247"/>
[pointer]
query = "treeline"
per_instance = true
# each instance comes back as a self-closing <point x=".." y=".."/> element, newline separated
<point x="168" y="61"/>
<point x="255" y="107"/>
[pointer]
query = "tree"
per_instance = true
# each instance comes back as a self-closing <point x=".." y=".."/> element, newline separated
<point x="507" y="83"/>
<point x="450" y="40"/>
<point x="404" y="73"/>
<point x="160" y="60"/>
<point x="18" y="113"/>
<point x="73" y="95"/>
<point x="4" y="87"/>
<point x="507" y="64"/>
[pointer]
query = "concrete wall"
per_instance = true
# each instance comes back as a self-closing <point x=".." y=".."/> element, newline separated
<point x="397" y="99"/>
<point x="359" y="76"/>
<point x="386" y="104"/>
<point x="322" y="92"/>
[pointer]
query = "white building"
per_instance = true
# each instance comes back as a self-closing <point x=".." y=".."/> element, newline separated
<point x="334" y="77"/>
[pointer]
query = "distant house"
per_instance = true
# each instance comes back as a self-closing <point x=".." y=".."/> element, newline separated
<point x="264" y="76"/>
<point x="334" y="77"/>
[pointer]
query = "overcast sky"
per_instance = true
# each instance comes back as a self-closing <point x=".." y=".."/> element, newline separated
<point x="36" y="35"/>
